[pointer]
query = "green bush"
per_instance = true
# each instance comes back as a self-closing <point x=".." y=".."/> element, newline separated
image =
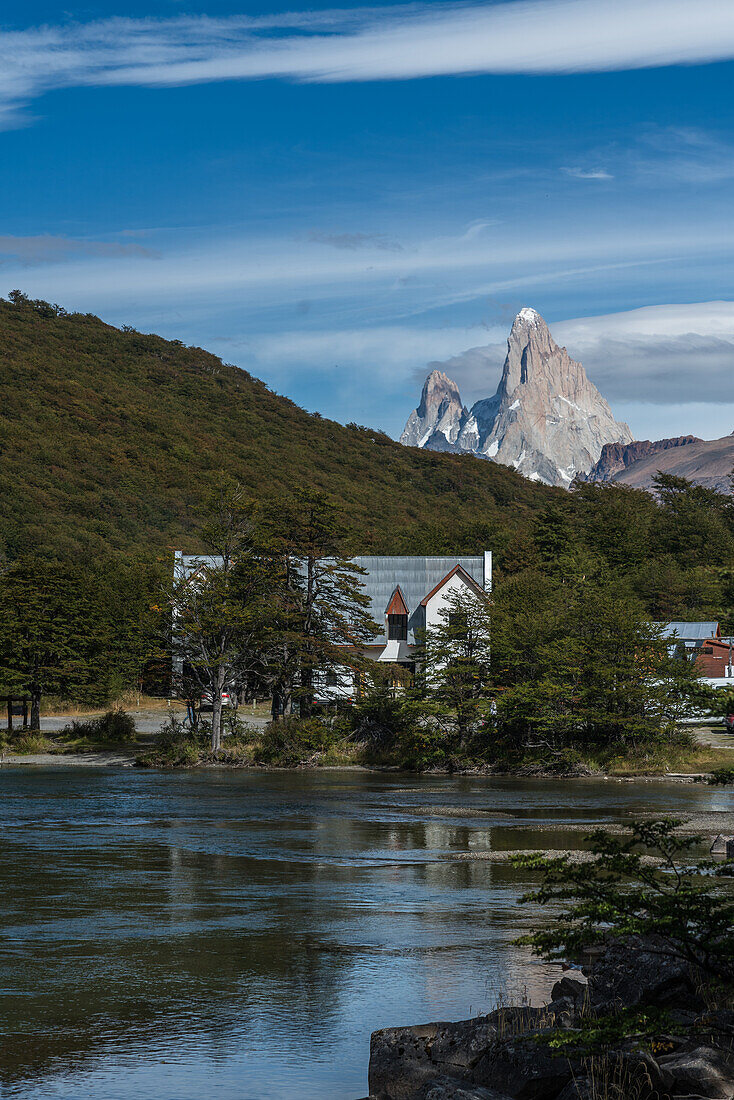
<point x="236" y="731"/>
<point x="177" y="745"/>
<point x="420" y="748"/>
<point x="175" y="732"/>
<point x="29" y="743"/>
<point x="384" y="709"/>
<point x="114" y="725"/>
<point x="288" y="742"/>
<point x="721" y="777"/>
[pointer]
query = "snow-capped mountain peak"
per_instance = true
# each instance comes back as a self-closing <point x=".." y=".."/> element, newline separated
<point x="546" y="419"/>
<point x="440" y="415"/>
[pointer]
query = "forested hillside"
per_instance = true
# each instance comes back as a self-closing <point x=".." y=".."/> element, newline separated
<point x="110" y="440"/>
<point x="111" y="443"/>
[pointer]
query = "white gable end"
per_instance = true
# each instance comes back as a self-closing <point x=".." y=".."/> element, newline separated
<point x="454" y="585"/>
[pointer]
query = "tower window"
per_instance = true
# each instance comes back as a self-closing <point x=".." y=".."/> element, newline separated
<point x="397" y="628"/>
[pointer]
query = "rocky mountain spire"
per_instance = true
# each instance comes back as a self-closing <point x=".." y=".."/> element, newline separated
<point x="546" y="418"/>
<point x="440" y="414"/>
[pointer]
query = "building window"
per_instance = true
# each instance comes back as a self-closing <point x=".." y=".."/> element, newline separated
<point x="457" y="621"/>
<point x="397" y="628"/>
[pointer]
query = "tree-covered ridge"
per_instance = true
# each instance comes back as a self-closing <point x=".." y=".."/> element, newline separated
<point x="110" y="440"/>
<point x="673" y="553"/>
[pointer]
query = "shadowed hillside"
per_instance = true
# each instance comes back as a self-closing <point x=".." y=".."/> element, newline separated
<point x="109" y="440"/>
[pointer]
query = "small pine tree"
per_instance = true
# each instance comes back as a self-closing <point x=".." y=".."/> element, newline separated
<point x="456" y="668"/>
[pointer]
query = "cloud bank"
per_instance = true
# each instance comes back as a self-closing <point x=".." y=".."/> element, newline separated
<point x="400" y="43"/>
<point x="661" y="355"/>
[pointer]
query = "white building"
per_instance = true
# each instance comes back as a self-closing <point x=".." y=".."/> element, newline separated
<point x="406" y="595"/>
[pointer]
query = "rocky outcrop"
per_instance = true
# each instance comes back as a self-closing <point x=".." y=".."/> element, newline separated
<point x="656" y="979"/>
<point x="503" y="1056"/>
<point x="440" y="416"/>
<point x="546" y="419"/>
<point x="616" y="457"/>
<point x="708" y="462"/>
<point x="405" y="1062"/>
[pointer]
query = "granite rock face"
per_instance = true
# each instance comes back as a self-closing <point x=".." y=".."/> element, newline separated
<point x="546" y="419"/>
<point x="439" y="418"/>
<point x="616" y="457"/>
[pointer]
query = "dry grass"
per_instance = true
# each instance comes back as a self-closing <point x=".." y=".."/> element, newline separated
<point x="610" y="1078"/>
<point x="27" y="744"/>
<point x="659" y="760"/>
<point x="53" y="707"/>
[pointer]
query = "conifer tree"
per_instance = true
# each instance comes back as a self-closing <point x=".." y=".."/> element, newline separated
<point x="46" y="621"/>
<point x="219" y="605"/>
<point x="455" y="660"/>
<point x="322" y="607"/>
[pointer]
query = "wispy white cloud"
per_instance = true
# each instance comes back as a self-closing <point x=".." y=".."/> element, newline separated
<point x="656" y="156"/>
<point x="46" y="248"/>
<point x="403" y="42"/>
<point x="681" y="155"/>
<point x="434" y="271"/>
<point x="588" y="173"/>
<point x="385" y="347"/>
<point x="476" y="229"/>
<point x="353" y="241"/>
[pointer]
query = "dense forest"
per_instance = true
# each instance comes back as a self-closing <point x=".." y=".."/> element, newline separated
<point x="111" y="440"/>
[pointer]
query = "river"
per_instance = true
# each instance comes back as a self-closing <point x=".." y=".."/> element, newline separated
<point x="238" y="934"/>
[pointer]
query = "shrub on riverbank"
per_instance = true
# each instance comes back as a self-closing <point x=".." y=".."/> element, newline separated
<point x="27" y="743"/>
<point x="420" y="746"/>
<point x="176" y="746"/>
<point x="80" y="735"/>
<point x="291" y="743"/>
<point x="113" y="726"/>
<point x="296" y="741"/>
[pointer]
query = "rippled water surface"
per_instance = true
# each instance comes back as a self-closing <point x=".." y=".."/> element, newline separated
<point x="168" y="936"/>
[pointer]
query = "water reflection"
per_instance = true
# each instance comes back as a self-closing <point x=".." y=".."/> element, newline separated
<point x="240" y="935"/>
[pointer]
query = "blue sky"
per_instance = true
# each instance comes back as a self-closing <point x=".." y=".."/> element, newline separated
<point x="334" y="199"/>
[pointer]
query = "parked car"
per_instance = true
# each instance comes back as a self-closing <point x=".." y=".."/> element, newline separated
<point x="331" y="702"/>
<point x="729" y="723"/>
<point x="229" y="699"/>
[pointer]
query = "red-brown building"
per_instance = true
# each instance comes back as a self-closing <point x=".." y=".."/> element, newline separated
<point x="714" y="658"/>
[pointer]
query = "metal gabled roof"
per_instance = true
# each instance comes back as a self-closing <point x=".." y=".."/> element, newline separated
<point x="416" y="576"/>
<point x="690" y="632"/>
<point x="186" y="564"/>
<point x="456" y="571"/>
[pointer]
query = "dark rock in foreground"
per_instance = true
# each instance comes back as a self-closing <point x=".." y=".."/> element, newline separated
<point x="504" y="1056"/>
